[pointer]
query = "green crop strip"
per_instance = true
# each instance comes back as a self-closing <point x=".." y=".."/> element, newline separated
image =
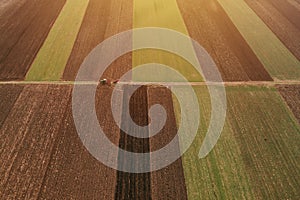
<point x="259" y="138"/>
<point x="54" y="54"/>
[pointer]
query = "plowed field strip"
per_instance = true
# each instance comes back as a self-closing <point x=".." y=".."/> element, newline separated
<point x="291" y="94"/>
<point x="164" y="14"/>
<point x="276" y="58"/>
<point x="8" y="95"/>
<point x="209" y="25"/>
<point x="27" y="138"/>
<point x="51" y="59"/>
<point x="288" y="10"/>
<point x="102" y="20"/>
<point x="8" y="8"/>
<point x="22" y="32"/>
<point x="257" y="155"/>
<point x="73" y="173"/>
<point x="168" y="182"/>
<point x="132" y="185"/>
<point x="287" y="32"/>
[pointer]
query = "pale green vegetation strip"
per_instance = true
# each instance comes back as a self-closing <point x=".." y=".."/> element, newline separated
<point x="53" y="56"/>
<point x="257" y="155"/>
<point x="163" y="14"/>
<point x="276" y="58"/>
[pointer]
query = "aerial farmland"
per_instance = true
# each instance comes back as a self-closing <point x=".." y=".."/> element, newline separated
<point x="150" y="99"/>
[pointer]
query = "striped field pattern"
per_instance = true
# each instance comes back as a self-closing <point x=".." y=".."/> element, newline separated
<point x="255" y="45"/>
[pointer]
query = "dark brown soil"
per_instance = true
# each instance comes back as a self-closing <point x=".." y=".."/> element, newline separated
<point x="22" y="33"/>
<point x="102" y="20"/>
<point x="208" y="24"/>
<point x="291" y="94"/>
<point x="282" y="18"/>
<point x="132" y="185"/>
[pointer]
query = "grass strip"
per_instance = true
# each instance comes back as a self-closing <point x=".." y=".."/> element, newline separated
<point x="53" y="56"/>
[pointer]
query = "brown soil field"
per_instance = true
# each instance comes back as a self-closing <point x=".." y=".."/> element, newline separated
<point x="102" y="20"/>
<point x="8" y="8"/>
<point x="132" y="185"/>
<point x="208" y="24"/>
<point x="8" y="95"/>
<point x="39" y="129"/>
<point x="22" y="33"/>
<point x="73" y="173"/>
<point x="27" y="136"/>
<point x="168" y="182"/>
<point x="291" y="94"/>
<point x="283" y="19"/>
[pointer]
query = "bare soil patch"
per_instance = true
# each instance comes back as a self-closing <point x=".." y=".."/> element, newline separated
<point x="169" y="182"/>
<point x="291" y="94"/>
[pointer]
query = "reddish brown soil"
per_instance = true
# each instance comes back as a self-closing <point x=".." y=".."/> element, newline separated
<point x="282" y="18"/>
<point x="27" y="137"/>
<point x="73" y="173"/>
<point x="169" y="182"/>
<point x="22" y="33"/>
<point x="131" y="185"/>
<point x="291" y="94"/>
<point x="41" y="153"/>
<point x="102" y="20"/>
<point x="8" y="96"/>
<point x="208" y="24"/>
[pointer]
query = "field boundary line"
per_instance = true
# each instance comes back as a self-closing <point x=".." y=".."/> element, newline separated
<point x="239" y="83"/>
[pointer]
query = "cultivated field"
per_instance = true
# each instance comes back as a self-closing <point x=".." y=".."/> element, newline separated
<point x="282" y="17"/>
<point x="24" y="28"/>
<point x="257" y="155"/>
<point x="209" y="24"/>
<point x="255" y="45"/>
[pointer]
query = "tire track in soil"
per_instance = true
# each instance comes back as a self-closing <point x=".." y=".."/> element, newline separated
<point x="291" y="95"/>
<point x="133" y="185"/>
<point x="279" y="22"/>
<point x="209" y="24"/>
<point x="102" y="20"/>
<point x="22" y="35"/>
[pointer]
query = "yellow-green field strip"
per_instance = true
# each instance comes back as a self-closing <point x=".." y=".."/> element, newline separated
<point x="54" y="54"/>
<point x="276" y="58"/>
<point x="163" y="14"/>
<point x="257" y="155"/>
